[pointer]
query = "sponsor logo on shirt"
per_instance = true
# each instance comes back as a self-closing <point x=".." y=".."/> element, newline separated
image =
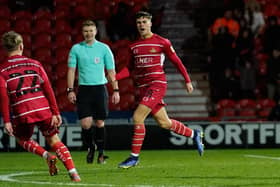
<point x="144" y="60"/>
<point x="153" y="50"/>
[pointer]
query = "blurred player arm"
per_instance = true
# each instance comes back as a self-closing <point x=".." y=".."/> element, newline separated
<point x="5" y="109"/>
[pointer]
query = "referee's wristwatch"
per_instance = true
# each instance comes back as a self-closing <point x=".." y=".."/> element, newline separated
<point x="68" y="90"/>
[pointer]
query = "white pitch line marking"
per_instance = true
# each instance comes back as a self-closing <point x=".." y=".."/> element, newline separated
<point x="9" y="178"/>
<point x="263" y="157"/>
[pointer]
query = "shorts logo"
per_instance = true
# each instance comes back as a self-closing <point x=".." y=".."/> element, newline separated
<point x="96" y="60"/>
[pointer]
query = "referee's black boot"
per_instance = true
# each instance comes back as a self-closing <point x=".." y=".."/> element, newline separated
<point x="90" y="155"/>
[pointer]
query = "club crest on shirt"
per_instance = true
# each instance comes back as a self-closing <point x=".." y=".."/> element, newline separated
<point x="153" y="50"/>
<point x="96" y="60"/>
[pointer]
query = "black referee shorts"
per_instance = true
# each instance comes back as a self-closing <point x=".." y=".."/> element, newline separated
<point x="92" y="101"/>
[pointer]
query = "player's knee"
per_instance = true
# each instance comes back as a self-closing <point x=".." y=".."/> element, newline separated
<point x="138" y="119"/>
<point x="164" y="124"/>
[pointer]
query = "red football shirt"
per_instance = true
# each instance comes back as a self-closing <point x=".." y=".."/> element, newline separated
<point x="148" y="58"/>
<point x="25" y="91"/>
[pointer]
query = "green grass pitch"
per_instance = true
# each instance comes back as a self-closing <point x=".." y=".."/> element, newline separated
<point x="157" y="168"/>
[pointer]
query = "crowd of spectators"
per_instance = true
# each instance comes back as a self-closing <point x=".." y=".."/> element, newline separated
<point x="244" y="60"/>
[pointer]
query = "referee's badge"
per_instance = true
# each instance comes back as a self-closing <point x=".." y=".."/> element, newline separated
<point x="96" y="60"/>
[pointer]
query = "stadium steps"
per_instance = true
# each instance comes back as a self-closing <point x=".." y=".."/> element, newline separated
<point x="181" y="104"/>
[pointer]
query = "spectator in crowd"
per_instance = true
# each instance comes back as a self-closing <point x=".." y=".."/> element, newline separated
<point x="222" y="56"/>
<point x="271" y="34"/>
<point x="228" y="22"/>
<point x="247" y="71"/>
<point x="273" y="76"/>
<point x="119" y="24"/>
<point x="229" y="85"/>
<point x="274" y="114"/>
<point x="244" y="44"/>
<point x="255" y="18"/>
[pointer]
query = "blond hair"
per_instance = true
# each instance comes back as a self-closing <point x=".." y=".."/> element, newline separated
<point x="11" y="40"/>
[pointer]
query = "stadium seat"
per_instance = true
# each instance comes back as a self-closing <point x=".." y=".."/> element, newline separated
<point x="247" y="108"/>
<point x="42" y="14"/>
<point x="3" y="55"/>
<point x="22" y="26"/>
<point x="246" y="103"/>
<point x="5" y="12"/>
<point x="61" y="70"/>
<point x="225" y="108"/>
<point x="61" y="55"/>
<point x="44" y="55"/>
<point x="61" y="86"/>
<point x="126" y="86"/>
<point x="26" y="15"/>
<point x="62" y="26"/>
<point x="5" y="25"/>
<point x="42" y="26"/>
<point x="81" y="12"/>
<point x="27" y="41"/>
<point x="63" y="40"/>
<point x="60" y="14"/>
<point x="127" y="101"/>
<point x="42" y="40"/>
<point x="265" y="106"/>
<point x="27" y="52"/>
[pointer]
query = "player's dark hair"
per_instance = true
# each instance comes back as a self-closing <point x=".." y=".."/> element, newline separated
<point x="143" y="14"/>
<point x="11" y="40"/>
<point x="88" y="23"/>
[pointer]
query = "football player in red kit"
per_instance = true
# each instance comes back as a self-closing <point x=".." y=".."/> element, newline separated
<point x="147" y="57"/>
<point x="27" y="100"/>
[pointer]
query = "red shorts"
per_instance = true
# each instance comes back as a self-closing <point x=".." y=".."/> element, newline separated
<point x="25" y="131"/>
<point x="152" y="96"/>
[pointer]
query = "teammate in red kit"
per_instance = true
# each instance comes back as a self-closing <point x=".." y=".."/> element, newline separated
<point x="147" y="57"/>
<point x="27" y="100"/>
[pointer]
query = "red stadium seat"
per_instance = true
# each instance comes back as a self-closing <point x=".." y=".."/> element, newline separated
<point x="27" y="41"/>
<point x="61" y="70"/>
<point x="26" y="15"/>
<point x="61" y="86"/>
<point x="3" y="55"/>
<point x="226" y="108"/>
<point x="246" y="103"/>
<point x="81" y="12"/>
<point x="5" y="12"/>
<point x="126" y="86"/>
<point x="63" y="40"/>
<point x="42" y="26"/>
<point x="61" y="55"/>
<point x="62" y="26"/>
<point x="127" y="101"/>
<point x="42" y="40"/>
<point x="265" y="106"/>
<point x="42" y="14"/>
<point x="5" y="25"/>
<point x="60" y="14"/>
<point x="22" y="26"/>
<point x="27" y="52"/>
<point x="44" y="55"/>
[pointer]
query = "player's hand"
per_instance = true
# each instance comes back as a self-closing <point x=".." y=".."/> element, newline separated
<point x="72" y="97"/>
<point x="116" y="97"/>
<point x="9" y="128"/>
<point x="56" y="120"/>
<point x="189" y="87"/>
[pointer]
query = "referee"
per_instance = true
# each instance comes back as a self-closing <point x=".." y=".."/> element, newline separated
<point x="92" y="57"/>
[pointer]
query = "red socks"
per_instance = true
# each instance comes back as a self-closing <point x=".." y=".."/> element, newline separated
<point x="138" y="138"/>
<point x="64" y="155"/>
<point x="180" y="128"/>
<point x="32" y="146"/>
